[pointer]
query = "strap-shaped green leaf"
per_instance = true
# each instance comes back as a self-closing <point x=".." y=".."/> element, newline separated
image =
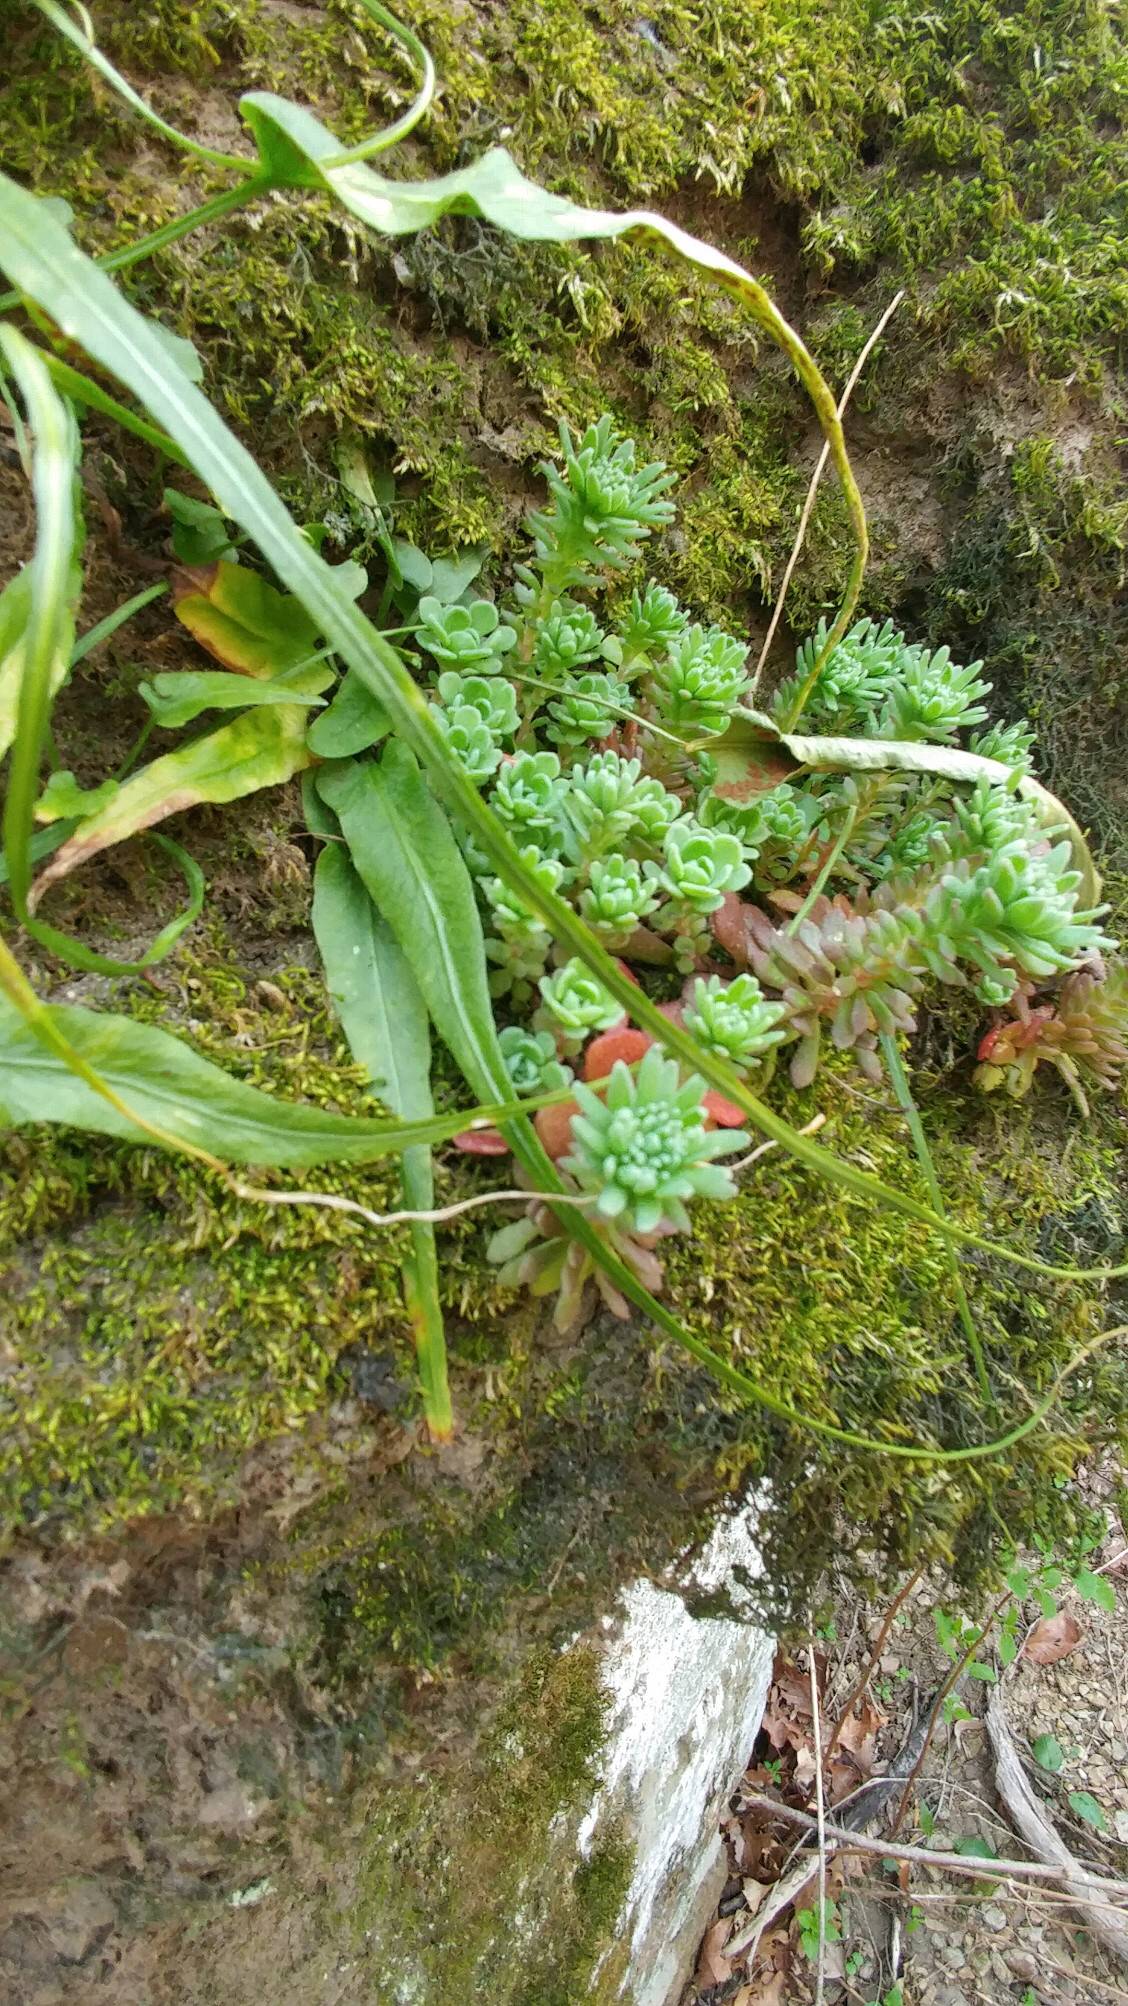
<point x="385" y="1021"/>
<point x="411" y="866"/>
<point x="185" y="1097"/>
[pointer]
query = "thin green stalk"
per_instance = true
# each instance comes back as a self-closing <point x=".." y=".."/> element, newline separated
<point x="900" y="1083"/>
<point x="421" y="1296"/>
<point x="829" y="862"/>
<point x="420" y="104"/>
<point x="88" y="48"/>
<point x="94" y="636"/>
<point x="181" y="226"/>
<point x="169" y="233"/>
<point x="84" y="390"/>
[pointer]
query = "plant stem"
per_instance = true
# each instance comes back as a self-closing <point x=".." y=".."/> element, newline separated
<point x="908" y="1107"/>
<point x="808" y="506"/>
<point x="950" y="1682"/>
<point x="829" y="862"/>
<point x="897" y="1603"/>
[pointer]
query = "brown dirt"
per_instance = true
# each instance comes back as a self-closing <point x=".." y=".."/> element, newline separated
<point x="947" y="1940"/>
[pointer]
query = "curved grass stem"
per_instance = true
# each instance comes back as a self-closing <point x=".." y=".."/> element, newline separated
<point x="901" y="1088"/>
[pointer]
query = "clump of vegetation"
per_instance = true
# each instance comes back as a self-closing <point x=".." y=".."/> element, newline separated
<point x="579" y="818"/>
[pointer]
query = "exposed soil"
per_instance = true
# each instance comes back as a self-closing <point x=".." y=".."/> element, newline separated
<point x="945" y="1939"/>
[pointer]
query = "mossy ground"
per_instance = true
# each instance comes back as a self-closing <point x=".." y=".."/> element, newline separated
<point x="159" y="1334"/>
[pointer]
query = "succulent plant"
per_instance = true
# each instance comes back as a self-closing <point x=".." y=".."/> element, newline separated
<point x="933" y="698"/>
<point x="1082" y="1030"/>
<point x="854" y="972"/>
<point x="585" y="713"/>
<point x="641" y="1145"/>
<point x="566" y="637"/>
<point x="603" y="507"/>
<point x="519" y="945"/>
<point x="1014" y="911"/>
<point x="1011" y="744"/>
<point x="465" y="637"/>
<point x="653" y="620"/>
<point x="574" y="1003"/>
<point x="617" y="898"/>
<point x="610" y="800"/>
<point x="470" y="739"/>
<point x="699" y="681"/>
<point x="531" y="1061"/>
<point x="853" y="681"/>
<point x="774" y="827"/>
<point x="989" y="819"/>
<point x="699" y="866"/>
<point x="529" y="796"/>
<point x="492" y="697"/>
<point x="735" y="1020"/>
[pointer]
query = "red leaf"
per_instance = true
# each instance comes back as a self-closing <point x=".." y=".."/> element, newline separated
<point x="603" y="1052"/>
<point x="554" y="1127"/>
<point x="481" y="1142"/>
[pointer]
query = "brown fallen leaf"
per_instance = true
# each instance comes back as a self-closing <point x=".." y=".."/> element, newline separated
<point x="1053" y="1637"/>
<point x="713" y="1967"/>
<point x="772" y="1993"/>
<point x="857" y="1736"/>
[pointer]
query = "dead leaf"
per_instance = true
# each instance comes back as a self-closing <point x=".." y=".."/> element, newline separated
<point x="1053" y="1637"/>
<point x="857" y="1736"/>
<point x="773" y="1993"/>
<point x="713" y="1967"/>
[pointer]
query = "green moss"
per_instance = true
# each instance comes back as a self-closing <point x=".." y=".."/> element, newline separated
<point x="974" y="157"/>
<point x="171" y="1327"/>
<point x="1035" y="580"/>
<point x="445" y="1874"/>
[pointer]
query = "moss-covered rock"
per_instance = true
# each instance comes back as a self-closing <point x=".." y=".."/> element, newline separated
<point x="237" y="1385"/>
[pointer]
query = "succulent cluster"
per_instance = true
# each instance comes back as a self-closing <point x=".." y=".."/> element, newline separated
<point x="594" y="717"/>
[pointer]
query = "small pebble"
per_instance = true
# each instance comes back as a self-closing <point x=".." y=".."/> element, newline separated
<point x="1022" y="1964"/>
<point x="993" y="1916"/>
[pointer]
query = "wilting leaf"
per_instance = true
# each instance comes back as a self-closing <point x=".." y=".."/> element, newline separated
<point x="193" y="1102"/>
<point x="1052" y="1637"/>
<point x="353" y="721"/>
<point x="754" y="755"/>
<point x="295" y="146"/>
<point x="260" y="749"/>
<point x="63" y="797"/>
<point x="178" y="696"/>
<point x="246" y="623"/>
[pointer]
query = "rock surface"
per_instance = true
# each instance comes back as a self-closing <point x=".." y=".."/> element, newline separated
<point x="688" y="1694"/>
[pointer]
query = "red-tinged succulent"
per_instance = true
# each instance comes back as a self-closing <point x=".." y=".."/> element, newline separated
<point x="1082" y="1029"/>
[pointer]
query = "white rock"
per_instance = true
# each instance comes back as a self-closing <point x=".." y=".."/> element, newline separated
<point x="687" y="1696"/>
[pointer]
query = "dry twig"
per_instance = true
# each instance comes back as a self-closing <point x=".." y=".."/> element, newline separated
<point x="1053" y="1853"/>
<point x="837" y="1839"/>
